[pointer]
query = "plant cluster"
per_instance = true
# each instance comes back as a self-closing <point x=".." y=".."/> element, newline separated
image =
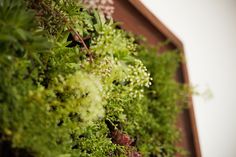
<point x="74" y="85"/>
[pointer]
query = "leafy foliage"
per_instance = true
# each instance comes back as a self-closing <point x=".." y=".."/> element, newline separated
<point x="72" y="84"/>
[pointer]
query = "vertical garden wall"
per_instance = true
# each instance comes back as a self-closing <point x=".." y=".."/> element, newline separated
<point x="72" y="84"/>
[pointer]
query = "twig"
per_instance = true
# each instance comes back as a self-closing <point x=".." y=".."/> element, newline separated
<point x="75" y="34"/>
<point x="78" y="38"/>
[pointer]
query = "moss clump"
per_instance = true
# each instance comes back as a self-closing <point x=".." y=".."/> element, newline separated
<point x="72" y="84"/>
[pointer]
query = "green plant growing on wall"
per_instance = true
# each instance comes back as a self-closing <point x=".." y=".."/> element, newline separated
<point x="72" y="84"/>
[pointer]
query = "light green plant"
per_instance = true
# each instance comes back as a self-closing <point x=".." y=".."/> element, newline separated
<point x="72" y="84"/>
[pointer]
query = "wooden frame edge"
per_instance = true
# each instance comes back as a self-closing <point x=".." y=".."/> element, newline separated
<point x="156" y="22"/>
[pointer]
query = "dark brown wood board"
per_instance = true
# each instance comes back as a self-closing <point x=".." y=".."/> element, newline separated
<point x="136" y="18"/>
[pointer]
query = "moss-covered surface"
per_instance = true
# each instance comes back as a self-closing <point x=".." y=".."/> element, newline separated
<point x="73" y="85"/>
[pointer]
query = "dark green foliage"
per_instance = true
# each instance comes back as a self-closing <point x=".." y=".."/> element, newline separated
<point x="163" y="101"/>
<point x="71" y="84"/>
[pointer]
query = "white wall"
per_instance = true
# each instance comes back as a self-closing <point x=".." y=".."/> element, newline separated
<point x="208" y="31"/>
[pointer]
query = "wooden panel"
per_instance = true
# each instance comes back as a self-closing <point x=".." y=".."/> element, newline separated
<point x="139" y="20"/>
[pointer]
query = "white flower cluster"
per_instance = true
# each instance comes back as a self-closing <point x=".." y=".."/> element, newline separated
<point x="138" y="78"/>
<point x="105" y="6"/>
<point x="105" y="67"/>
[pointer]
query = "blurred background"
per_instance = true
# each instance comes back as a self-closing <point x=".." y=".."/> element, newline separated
<point x="207" y="29"/>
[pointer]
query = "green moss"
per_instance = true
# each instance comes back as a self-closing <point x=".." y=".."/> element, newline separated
<point x="61" y="97"/>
